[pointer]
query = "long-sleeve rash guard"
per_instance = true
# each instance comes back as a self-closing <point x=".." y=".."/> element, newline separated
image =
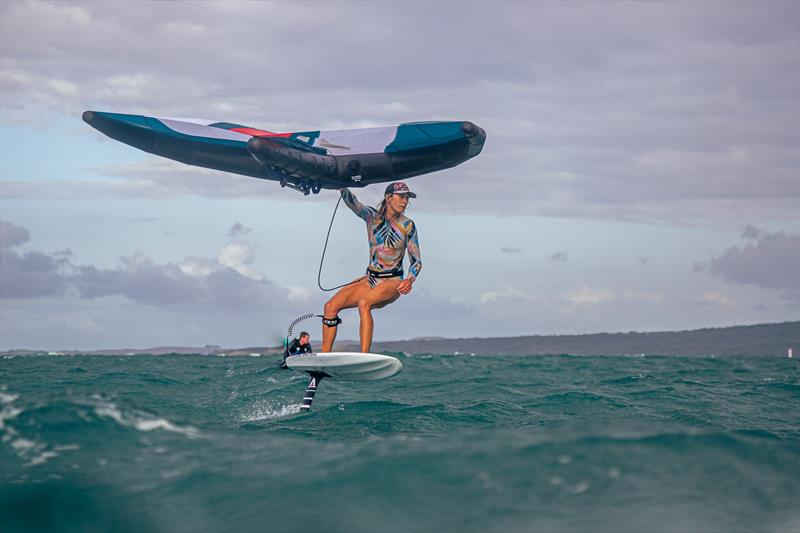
<point x="388" y="241"/>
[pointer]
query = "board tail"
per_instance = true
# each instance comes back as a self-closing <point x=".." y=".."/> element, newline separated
<point x="311" y="390"/>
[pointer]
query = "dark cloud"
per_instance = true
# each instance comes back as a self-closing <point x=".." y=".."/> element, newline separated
<point x="141" y="280"/>
<point x="752" y="232"/>
<point x="559" y="257"/>
<point x="11" y="235"/>
<point x="138" y="278"/>
<point x="238" y="229"/>
<point x="592" y="109"/>
<point x="773" y="261"/>
<point x="30" y="274"/>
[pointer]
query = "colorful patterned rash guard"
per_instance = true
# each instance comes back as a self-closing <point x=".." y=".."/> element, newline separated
<point x="388" y="241"/>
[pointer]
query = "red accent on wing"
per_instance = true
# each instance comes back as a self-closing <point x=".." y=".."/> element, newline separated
<point x="259" y="133"/>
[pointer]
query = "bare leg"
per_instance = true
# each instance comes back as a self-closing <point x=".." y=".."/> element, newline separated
<point x="365" y="328"/>
<point x="384" y="294"/>
<point x="347" y="298"/>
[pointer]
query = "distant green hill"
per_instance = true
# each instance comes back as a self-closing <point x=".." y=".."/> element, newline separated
<point x="763" y="339"/>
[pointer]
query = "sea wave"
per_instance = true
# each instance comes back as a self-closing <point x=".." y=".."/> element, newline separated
<point x="503" y="443"/>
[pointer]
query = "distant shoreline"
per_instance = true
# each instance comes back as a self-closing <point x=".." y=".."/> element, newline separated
<point x="760" y="339"/>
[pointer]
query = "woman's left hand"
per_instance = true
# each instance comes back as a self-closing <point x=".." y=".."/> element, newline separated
<point x="405" y="286"/>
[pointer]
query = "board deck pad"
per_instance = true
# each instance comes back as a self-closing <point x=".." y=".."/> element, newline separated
<point x="351" y="366"/>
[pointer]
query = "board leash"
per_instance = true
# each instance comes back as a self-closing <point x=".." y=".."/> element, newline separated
<point x="316" y="377"/>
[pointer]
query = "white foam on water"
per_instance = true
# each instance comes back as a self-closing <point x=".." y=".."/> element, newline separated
<point x="41" y="458"/>
<point x="166" y="425"/>
<point x="22" y="445"/>
<point x="579" y="488"/>
<point x="485" y="480"/>
<point x="142" y="423"/>
<point x="35" y="453"/>
<point x="8" y="410"/>
<point x="267" y="412"/>
<point x="169" y="474"/>
<point x="6" y="397"/>
<point x="24" y="448"/>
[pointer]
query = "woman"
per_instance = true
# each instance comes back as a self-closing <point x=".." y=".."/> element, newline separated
<point x="391" y="234"/>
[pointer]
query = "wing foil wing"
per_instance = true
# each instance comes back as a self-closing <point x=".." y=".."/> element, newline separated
<point x="307" y="160"/>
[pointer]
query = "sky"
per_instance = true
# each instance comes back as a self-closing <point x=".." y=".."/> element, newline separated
<point x="641" y="170"/>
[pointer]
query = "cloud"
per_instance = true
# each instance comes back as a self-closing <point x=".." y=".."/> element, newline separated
<point x="712" y="299"/>
<point x="227" y="281"/>
<point x="589" y="296"/>
<point x="238" y="229"/>
<point x="139" y="279"/>
<point x="771" y="261"/>
<point x="752" y="232"/>
<point x="30" y="274"/>
<point x="570" y="300"/>
<point x="142" y="280"/>
<point x="511" y="310"/>
<point x="506" y="292"/>
<point x="11" y="235"/>
<point x="700" y="266"/>
<point x="696" y="136"/>
<point x="559" y="257"/>
<point x="198" y="267"/>
<point x="510" y="250"/>
<point x="239" y="256"/>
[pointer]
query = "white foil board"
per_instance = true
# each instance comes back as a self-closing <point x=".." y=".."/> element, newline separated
<point x="352" y="366"/>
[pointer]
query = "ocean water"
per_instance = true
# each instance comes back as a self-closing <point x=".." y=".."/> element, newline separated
<point x="453" y="443"/>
